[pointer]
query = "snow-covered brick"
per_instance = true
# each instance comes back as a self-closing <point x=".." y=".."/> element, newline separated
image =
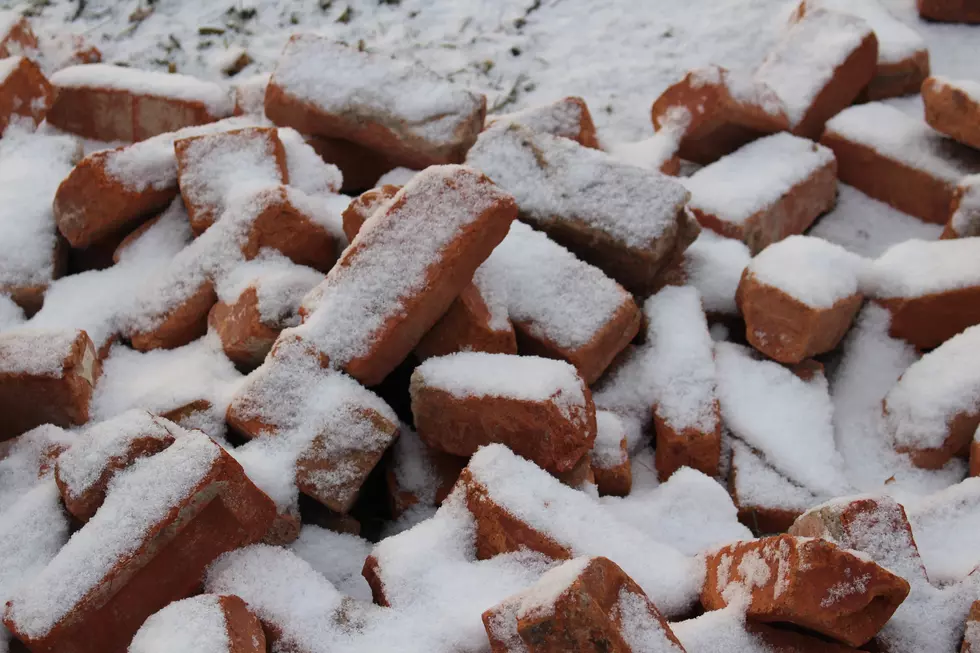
<point x="799" y="296"/>
<point x="577" y="605"/>
<point x="618" y="217"/>
<point x="683" y="378"/>
<point x="308" y="171"/>
<point x="25" y="94"/>
<point x="46" y="376"/>
<point x="898" y="159"/>
<point x="28" y="459"/>
<point x="207" y="623"/>
<point x="329" y="430"/>
<point x="716" y="111"/>
<point x="190" y="385"/>
<point x="657" y="153"/>
<point x="110" y="190"/>
<point x="765" y="191"/>
<point x="561" y="307"/>
<point x="102" y="450"/>
<point x="946" y="524"/>
<point x="249" y="94"/>
<point x="517" y="505"/>
<point x="419" y="476"/>
<point x="953" y="108"/>
<point x="761" y="401"/>
<point x="400" y="109"/>
<point x="115" y="103"/>
<point x="821" y="64"/>
<point x="338" y="557"/>
<point x="364" y="205"/>
<point x="209" y="166"/>
<point x="163" y="521"/>
<point x="903" y="58"/>
<point x="964" y="219"/>
<point x="931" y="289"/>
<point x="256" y="301"/>
<point x="568" y="117"/>
<point x="539" y="407"/>
<point x="401" y="273"/>
<point x="948" y="12"/>
<point x="16" y="35"/>
<point x="934" y="409"/>
<point x="31" y="167"/>
<point x="767" y="501"/>
<point x="971" y="638"/>
<point x="610" y="455"/>
<point x="806" y="582"/>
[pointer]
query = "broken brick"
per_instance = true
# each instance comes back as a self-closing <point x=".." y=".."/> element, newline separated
<point x="17" y="37"/>
<point x="568" y="118"/>
<point x="609" y="458"/>
<point x="806" y="582"/>
<point x="953" y="108"/>
<point x="24" y="91"/>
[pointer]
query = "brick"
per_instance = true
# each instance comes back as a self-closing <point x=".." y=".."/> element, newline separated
<point x="420" y="263"/>
<point x="442" y="126"/>
<point x="249" y="94"/>
<point x="208" y="166"/>
<point x="577" y="195"/>
<point x="806" y="582"/>
<point x="715" y="119"/>
<point x="460" y="403"/>
<point x="335" y="430"/>
<point x="102" y="450"/>
<point x="971" y="639"/>
<point x="755" y="195"/>
<point x="964" y="219"/>
<point x="362" y="206"/>
<point x="419" y="475"/>
<point x="24" y="91"/>
<point x="46" y="376"/>
<point x="819" y="67"/>
<point x="182" y="324"/>
<point x="32" y="455"/>
<point x="360" y="165"/>
<point x="799" y="297"/>
<point x="568" y="118"/>
<point x="164" y="521"/>
<point x="17" y="36"/>
<point x="975" y="456"/>
<point x="953" y="108"/>
<point x="609" y="458"/>
<point x="933" y="410"/>
<point x="113" y="103"/>
<point x="561" y="307"/>
<point x="585" y="604"/>
<point x="931" y="289"/>
<point x="949" y="11"/>
<point x="205" y="620"/>
<point x="898" y="159"/>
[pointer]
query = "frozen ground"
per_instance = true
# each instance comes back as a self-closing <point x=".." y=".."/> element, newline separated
<point x="618" y="54"/>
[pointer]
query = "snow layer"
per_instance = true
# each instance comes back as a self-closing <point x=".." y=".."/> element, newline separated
<point x="194" y="625"/>
<point x="897" y="42"/>
<point x="916" y="268"/>
<point x="36" y="352"/>
<point x="810" y="270"/>
<point x="714" y="266"/>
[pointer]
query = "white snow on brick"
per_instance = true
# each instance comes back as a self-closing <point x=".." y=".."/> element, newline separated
<point x="810" y="270"/>
<point x="194" y="625"/>
<point x="916" y="268"/>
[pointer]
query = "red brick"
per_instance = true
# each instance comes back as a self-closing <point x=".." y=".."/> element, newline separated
<point x="950" y="11"/>
<point x="971" y="641"/>
<point x="362" y="206"/>
<point x="610" y="464"/>
<point x="568" y="118"/>
<point x="18" y="39"/>
<point x="181" y="325"/>
<point x="24" y="91"/>
<point x="975" y="457"/>
<point x="245" y="338"/>
<point x="953" y="109"/>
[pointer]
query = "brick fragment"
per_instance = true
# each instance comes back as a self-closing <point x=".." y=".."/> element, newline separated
<point x="799" y="297"/>
<point x="717" y="112"/>
<point x="949" y="11"/>
<point x="622" y="219"/>
<point x="538" y="407"/>
<point x="441" y="127"/>
<point x="16" y="37"/>
<point x="953" y="108"/>
<point x="24" y="91"/>
<point x="898" y="160"/>
<point x="46" y="376"/>
<point x="806" y="582"/>
<point x="114" y="103"/>
<point x="209" y="165"/>
<point x="202" y="621"/>
<point x="609" y="458"/>
<point x="420" y="263"/>
<point x="164" y="521"/>
<point x="83" y="471"/>
<point x="931" y="289"/>
<point x="964" y="219"/>
<point x="568" y="118"/>
<point x="766" y="191"/>
<point x="362" y="206"/>
<point x="585" y="604"/>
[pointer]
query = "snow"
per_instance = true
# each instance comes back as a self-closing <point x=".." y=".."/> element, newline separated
<point x="762" y="401"/>
<point x="31" y="168"/>
<point x="556" y="180"/>
<point x="804" y="62"/>
<point x="627" y="390"/>
<point x="146" y="83"/>
<point x="607" y="451"/>
<point x="810" y="270"/>
<point x="194" y="625"/>
<point x="307" y="171"/>
<point x="969" y="88"/>
<point x="682" y="366"/>
<point x="339" y="557"/>
<point x="719" y="630"/>
<point x="965" y="221"/>
<point x="559" y="118"/>
<point x="756" y="176"/>
<point x="714" y="265"/>
<point x="396" y="177"/>
<point x="25" y="458"/>
<point x="641" y="629"/>
<point x="280" y="286"/>
<point x="867" y="227"/>
<point x="11" y="315"/>
<point x="758" y="485"/>
<point x="907" y="140"/>
<point x="549" y="292"/>
<point x="917" y="268"/>
<point x="390" y="260"/>
<point x="941" y="386"/>
<point x="137" y="500"/>
<point x="539" y="600"/>
<point x="946" y="526"/>
<point x="36" y="352"/>
<point x="897" y="42"/>
<point x="408" y="99"/>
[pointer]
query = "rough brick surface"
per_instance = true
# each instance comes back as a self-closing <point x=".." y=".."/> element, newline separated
<point x="245" y="337"/>
<point x="24" y="91"/>
<point x="952" y="109"/>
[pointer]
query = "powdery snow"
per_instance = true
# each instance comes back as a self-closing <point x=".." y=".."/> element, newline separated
<point x="897" y="42"/>
<point x="965" y="221"/>
<point x="714" y="265"/>
<point x="946" y="526"/>
<point x="339" y="557"/>
<point x="36" y="352"/>
<point x="279" y="284"/>
<point x="194" y="625"/>
<point x="559" y="118"/>
<point x="916" y="268"/>
<point x="810" y="270"/>
<point x="607" y="451"/>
